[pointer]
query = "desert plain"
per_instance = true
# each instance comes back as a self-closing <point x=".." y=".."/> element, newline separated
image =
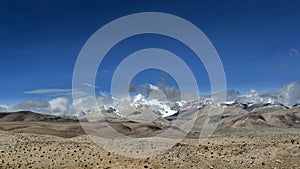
<point x="265" y="137"/>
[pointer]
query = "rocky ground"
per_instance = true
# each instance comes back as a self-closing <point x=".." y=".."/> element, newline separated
<point x="23" y="150"/>
<point x="263" y="137"/>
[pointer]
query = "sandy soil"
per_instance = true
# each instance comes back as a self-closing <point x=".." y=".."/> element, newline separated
<point x="23" y="150"/>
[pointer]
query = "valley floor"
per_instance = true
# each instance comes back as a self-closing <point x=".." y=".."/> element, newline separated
<point x="24" y="150"/>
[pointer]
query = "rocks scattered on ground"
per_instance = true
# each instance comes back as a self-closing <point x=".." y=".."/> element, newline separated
<point x="42" y="151"/>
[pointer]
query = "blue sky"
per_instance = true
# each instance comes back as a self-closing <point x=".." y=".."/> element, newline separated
<point x="257" y="41"/>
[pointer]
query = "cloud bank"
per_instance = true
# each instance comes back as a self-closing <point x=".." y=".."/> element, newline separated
<point x="288" y="95"/>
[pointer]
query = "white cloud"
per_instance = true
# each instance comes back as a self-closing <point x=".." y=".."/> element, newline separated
<point x="56" y="92"/>
<point x="153" y="87"/>
<point x="56" y="106"/>
<point x="288" y="58"/>
<point x="3" y="108"/>
<point x="289" y="94"/>
<point x="49" y="91"/>
<point x="59" y="106"/>
<point x="31" y="105"/>
<point x="90" y="85"/>
<point x="294" y="52"/>
<point x="84" y="104"/>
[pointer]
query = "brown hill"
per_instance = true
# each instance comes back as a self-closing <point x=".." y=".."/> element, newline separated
<point x="28" y="116"/>
<point x="30" y="122"/>
<point x="248" y="121"/>
<point x="234" y="118"/>
<point x="267" y="118"/>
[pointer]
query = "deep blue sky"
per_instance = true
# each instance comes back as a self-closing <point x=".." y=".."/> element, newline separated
<point x="40" y="40"/>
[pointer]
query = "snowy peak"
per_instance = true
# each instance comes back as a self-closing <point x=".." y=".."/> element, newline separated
<point x="162" y="108"/>
<point x="156" y="99"/>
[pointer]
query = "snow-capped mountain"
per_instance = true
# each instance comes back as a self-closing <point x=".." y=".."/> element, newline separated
<point x="156" y="102"/>
<point x="162" y="108"/>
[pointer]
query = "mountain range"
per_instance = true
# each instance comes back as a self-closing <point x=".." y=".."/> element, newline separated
<point x="150" y="114"/>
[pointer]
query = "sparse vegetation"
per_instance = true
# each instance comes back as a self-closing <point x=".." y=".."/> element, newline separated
<point x="40" y="151"/>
